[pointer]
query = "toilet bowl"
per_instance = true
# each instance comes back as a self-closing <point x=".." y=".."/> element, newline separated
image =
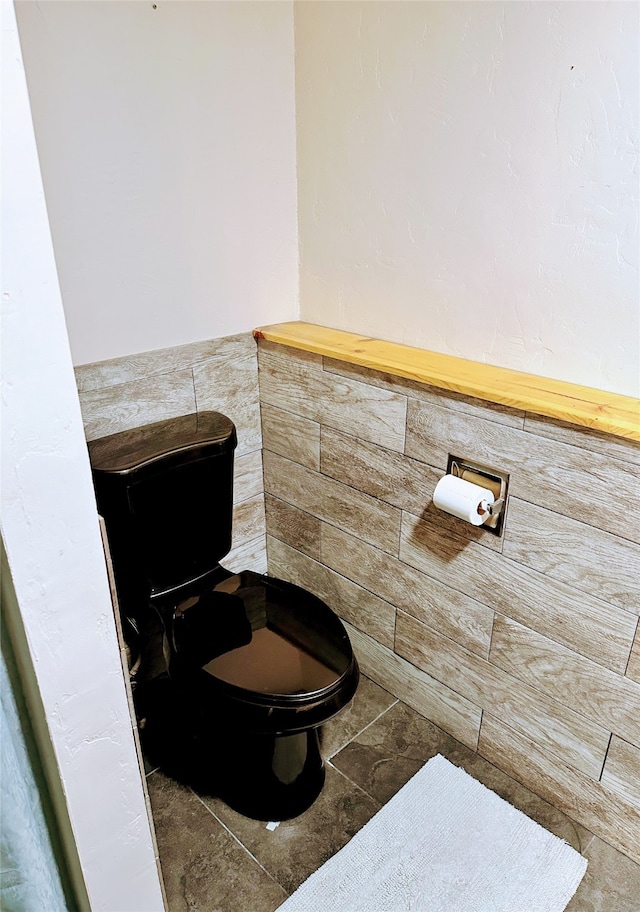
<point x="235" y="672"/>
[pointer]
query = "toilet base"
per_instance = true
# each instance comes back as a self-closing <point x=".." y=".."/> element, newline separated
<point x="270" y="777"/>
<point x="260" y="775"/>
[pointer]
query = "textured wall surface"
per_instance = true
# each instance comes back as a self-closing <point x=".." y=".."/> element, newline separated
<point x="221" y="374"/>
<point x="524" y="647"/>
<point x="51" y="535"/>
<point x="468" y="183"/>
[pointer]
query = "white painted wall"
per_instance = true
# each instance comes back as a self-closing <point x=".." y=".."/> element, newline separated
<point x="167" y="144"/>
<point x="468" y="183"/>
<point x="50" y="531"/>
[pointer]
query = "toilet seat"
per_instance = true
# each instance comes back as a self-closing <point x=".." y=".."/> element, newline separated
<point x="274" y="655"/>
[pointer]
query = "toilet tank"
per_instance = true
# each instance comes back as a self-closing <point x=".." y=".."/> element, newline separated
<point x="165" y="492"/>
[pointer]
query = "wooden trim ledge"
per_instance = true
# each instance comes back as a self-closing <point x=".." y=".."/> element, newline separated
<point x="610" y="413"/>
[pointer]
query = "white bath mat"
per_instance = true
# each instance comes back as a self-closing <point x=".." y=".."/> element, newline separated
<point x="445" y="843"/>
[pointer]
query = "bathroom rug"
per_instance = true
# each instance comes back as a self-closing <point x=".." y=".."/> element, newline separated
<point x="445" y="843"/>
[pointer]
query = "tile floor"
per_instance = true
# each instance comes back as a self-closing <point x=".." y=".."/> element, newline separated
<point x="215" y="860"/>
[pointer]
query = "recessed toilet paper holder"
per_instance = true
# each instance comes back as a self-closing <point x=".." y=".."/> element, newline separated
<point x="488" y="477"/>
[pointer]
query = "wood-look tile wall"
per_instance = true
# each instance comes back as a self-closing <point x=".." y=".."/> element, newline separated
<point x="220" y="374"/>
<point x="525" y="647"/>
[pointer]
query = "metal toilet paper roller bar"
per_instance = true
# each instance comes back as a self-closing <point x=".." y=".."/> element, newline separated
<point x="463" y="499"/>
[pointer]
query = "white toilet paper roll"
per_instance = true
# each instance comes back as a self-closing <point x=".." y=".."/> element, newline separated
<point x="463" y="499"/>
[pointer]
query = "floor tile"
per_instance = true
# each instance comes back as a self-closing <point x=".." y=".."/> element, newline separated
<point x="296" y="848"/>
<point x="611" y="884"/>
<point x="369" y="702"/>
<point x="203" y="866"/>
<point x="391" y="750"/>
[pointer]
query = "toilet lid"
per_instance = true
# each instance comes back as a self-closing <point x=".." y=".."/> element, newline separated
<point x="264" y="636"/>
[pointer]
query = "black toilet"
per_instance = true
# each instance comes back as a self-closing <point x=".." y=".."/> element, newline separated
<point x="234" y="672"/>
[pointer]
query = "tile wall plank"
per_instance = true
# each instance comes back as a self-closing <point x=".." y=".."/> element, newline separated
<point x="247" y="480"/>
<point x="287" y="355"/>
<point x="376" y="522"/>
<point x="590" y="803"/>
<point x="130" y="405"/>
<point x="468" y="405"/>
<point x="228" y="383"/>
<point x="564" y="733"/>
<point x="249" y="520"/>
<point x="573" y="552"/>
<point x="633" y="668"/>
<point x="596" y="692"/>
<point x="386" y="474"/>
<point x="292" y="436"/>
<point x="361" y="608"/>
<point x="442" y="523"/>
<point x="556" y="475"/>
<point x="621" y="771"/>
<point x="294" y="527"/>
<point x="339" y="402"/>
<point x="127" y="368"/>
<point x="139" y="366"/>
<point x="588" y="625"/>
<point x="587" y="438"/>
<point x="432" y="699"/>
<point x="459" y="617"/>
<point x="250" y="554"/>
